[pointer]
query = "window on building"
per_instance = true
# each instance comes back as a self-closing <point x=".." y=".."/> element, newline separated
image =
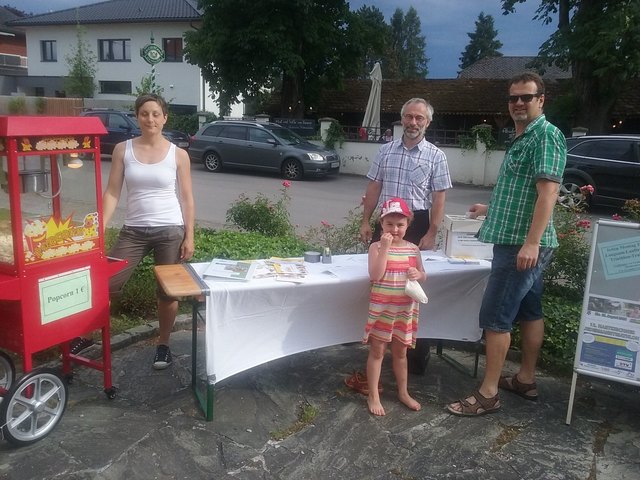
<point x="112" y="86"/>
<point x="172" y="49"/>
<point x="39" y="91"/>
<point x="48" y="50"/>
<point x="114" y="50"/>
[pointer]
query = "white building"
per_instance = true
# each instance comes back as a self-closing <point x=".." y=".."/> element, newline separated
<point x="116" y="31"/>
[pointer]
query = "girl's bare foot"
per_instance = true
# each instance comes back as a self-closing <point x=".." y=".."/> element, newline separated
<point x="375" y="407"/>
<point x="409" y="402"/>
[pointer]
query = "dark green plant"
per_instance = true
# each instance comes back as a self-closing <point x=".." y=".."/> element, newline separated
<point x="80" y="80"/>
<point x="567" y="273"/>
<point x="41" y="105"/>
<point x="148" y="84"/>
<point x="17" y="106"/>
<point x="599" y="41"/>
<point x="261" y="214"/>
<point x="482" y="43"/>
<point x="306" y="415"/>
<point x="632" y="209"/>
<point x="244" y="246"/>
<point x="138" y="299"/>
<point x="482" y="133"/>
<point x="335" y="135"/>
<point x="188" y="123"/>
<point x="407" y="46"/>
<point x="565" y="279"/>
<point x="562" y="322"/>
<point x="246" y="46"/>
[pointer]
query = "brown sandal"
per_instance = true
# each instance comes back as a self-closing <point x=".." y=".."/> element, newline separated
<point x="482" y="406"/>
<point x="512" y="384"/>
<point x="358" y="382"/>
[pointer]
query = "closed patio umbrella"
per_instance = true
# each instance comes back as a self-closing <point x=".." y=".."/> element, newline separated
<point x="371" y="121"/>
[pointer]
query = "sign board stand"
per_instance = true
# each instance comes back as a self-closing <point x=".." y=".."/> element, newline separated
<point x="609" y="335"/>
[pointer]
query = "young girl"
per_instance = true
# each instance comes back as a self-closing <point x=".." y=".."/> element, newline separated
<point x="393" y="316"/>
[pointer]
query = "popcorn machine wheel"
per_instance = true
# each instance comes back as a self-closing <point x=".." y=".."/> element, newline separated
<point x="54" y="274"/>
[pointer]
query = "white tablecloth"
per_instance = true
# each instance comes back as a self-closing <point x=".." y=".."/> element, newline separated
<point x="251" y="323"/>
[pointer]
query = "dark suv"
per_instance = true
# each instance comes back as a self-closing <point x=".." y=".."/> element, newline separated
<point x="609" y="163"/>
<point x="123" y="125"/>
<point x="260" y="146"/>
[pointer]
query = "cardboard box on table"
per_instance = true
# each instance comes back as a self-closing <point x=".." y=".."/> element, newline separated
<point x="460" y="238"/>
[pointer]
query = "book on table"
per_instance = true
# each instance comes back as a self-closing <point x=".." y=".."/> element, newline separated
<point x="230" y="269"/>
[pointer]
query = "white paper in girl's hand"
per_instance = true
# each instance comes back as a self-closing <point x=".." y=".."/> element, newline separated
<point x="414" y="290"/>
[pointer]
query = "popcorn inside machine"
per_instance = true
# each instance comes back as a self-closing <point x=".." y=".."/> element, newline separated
<point x="54" y="274"/>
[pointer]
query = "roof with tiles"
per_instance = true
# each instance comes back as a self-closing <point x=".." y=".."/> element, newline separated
<point x="453" y="96"/>
<point x="448" y="96"/>
<point x="118" y="11"/>
<point x="507" y="67"/>
<point x="8" y="15"/>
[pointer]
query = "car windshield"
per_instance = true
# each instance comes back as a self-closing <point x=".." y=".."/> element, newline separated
<point x="287" y="136"/>
<point x="133" y="118"/>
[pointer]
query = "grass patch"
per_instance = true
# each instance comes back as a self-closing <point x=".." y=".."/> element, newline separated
<point x="122" y="323"/>
<point x="306" y="414"/>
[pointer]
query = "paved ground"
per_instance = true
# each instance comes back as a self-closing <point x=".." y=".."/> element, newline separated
<point x="153" y="429"/>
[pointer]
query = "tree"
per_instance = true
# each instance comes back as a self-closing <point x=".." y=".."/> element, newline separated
<point x="148" y="84"/>
<point x="483" y="42"/>
<point x="406" y="57"/>
<point x="599" y="40"/>
<point x="246" y="46"/>
<point x="368" y="34"/>
<point x="82" y="68"/>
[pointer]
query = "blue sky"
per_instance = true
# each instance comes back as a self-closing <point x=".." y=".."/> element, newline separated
<point x="445" y="24"/>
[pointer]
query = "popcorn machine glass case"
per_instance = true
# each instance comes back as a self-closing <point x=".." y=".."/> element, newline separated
<point x="54" y="274"/>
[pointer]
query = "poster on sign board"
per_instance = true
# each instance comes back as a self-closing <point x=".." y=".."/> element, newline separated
<point x="609" y="337"/>
<point x="609" y="334"/>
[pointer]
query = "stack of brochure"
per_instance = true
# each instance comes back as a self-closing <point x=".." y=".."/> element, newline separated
<point x="288" y="270"/>
<point x="283" y="269"/>
<point x="230" y="269"/>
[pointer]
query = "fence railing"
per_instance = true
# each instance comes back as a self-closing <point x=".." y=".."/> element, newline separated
<point x="435" y="136"/>
<point x="52" y="106"/>
<point x="9" y="60"/>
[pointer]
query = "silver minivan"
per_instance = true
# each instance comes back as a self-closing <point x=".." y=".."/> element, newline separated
<point x="260" y="146"/>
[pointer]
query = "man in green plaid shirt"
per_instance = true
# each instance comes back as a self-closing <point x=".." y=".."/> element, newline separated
<point x="519" y="223"/>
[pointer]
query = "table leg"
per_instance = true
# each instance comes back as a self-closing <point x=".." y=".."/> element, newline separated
<point x="206" y="400"/>
<point x="457" y="365"/>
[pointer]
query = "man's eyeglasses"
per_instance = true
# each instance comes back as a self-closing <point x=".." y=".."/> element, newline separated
<point x="526" y="98"/>
<point x="418" y="118"/>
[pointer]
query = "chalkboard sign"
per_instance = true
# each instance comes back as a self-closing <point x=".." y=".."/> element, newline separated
<point x="609" y="335"/>
<point x="302" y="126"/>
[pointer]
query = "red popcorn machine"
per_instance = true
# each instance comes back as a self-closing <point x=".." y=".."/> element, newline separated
<point x="54" y="274"/>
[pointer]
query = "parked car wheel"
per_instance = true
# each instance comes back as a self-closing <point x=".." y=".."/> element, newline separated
<point x="570" y="195"/>
<point x="292" y="169"/>
<point x="212" y="162"/>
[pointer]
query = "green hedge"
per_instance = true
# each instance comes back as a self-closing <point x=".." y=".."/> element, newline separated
<point x="138" y="299"/>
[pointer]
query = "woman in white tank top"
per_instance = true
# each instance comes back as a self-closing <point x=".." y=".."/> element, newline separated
<point x="160" y="209"/>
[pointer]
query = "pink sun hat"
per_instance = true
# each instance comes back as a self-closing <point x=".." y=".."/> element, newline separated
<point x="395" y="205"/>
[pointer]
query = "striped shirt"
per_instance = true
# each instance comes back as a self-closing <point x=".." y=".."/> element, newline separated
<point x="539" y="153"/>
<point x="410" y="174"/>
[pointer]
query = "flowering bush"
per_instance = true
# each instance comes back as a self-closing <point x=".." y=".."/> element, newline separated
<point x="340" y="239"/>
<point x="632" y="208"/>
<point x="263" y="215"/>
<point x="567" y="273"/>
